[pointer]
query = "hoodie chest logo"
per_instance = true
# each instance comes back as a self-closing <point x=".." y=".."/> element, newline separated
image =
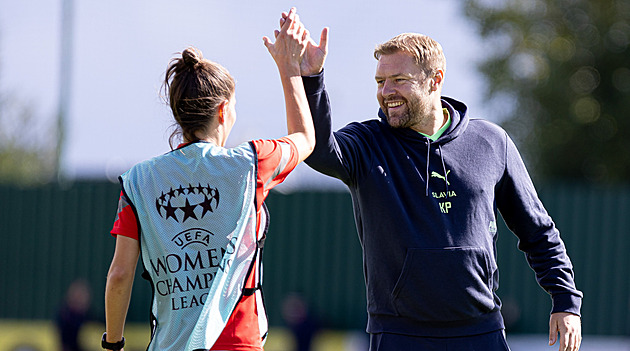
<point x="435" y="174"/>
<point x="444" y="197"/>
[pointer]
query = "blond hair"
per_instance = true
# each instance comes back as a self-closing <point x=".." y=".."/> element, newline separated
<point x="426" y="51"/>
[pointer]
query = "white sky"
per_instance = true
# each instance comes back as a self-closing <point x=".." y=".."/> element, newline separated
<point x="121" y="50"/>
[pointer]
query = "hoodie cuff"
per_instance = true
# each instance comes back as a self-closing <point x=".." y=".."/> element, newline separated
<point x="314" y="84"/>
<point x="567" y="303"/>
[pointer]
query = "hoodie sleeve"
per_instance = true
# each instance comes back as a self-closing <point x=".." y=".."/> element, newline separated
<point x="330" y="148"/>
<point x="539" y="239"/>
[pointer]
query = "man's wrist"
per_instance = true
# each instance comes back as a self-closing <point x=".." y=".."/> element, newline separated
<point x="313" y="84"/>
<point x="312" y="72"/>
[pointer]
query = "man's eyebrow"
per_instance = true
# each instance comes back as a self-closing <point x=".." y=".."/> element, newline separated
<point x="406" y="75"/>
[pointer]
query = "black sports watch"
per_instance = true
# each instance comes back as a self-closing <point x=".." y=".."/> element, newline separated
<point x="115" y="346"/>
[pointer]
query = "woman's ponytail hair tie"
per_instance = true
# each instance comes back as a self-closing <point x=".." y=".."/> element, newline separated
<point x="191" y="56"/>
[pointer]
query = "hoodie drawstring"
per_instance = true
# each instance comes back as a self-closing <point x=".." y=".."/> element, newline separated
<point x="428" y="176"/>
<point x="426" y="190"/>
<point x="444" y="168"/>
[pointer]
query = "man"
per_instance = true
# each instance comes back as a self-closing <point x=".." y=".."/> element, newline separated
<point x="426" y="182"/>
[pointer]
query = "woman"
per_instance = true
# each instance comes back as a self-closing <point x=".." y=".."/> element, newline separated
<point x="197" y="214"/>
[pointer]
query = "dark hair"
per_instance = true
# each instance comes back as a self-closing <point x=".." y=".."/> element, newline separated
<point x="195" y="87"/>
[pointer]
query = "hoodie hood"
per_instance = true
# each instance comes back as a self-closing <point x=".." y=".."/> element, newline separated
<point x="459" y="120"/>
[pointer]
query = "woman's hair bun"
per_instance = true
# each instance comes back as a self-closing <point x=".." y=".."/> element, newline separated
<point x="191" y="56"/>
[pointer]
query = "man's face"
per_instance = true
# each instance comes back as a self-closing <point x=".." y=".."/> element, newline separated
<point x="403" y="91"/>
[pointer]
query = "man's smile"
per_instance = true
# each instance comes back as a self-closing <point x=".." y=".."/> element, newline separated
<point x="394" y="104"/>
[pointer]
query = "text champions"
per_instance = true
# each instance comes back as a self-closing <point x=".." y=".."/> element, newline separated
<point x="192" y="290"/>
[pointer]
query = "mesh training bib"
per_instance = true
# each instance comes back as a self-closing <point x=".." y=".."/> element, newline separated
<point x="197" y="222"/>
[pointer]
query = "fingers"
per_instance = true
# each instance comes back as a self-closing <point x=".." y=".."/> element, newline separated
<point x="563" y="344"/>
<point x="299" y="30"/>
<point x="553" y="331"/>
<point x="568" y="327"/>
<point x="569" y="342"/>
<point x="292" y="26"/>
<point x="579" y="342"/>
<point x="288" y="22"/>
<point x="570" y="339"/>
<point x="323" y="40"/>
<point x="288" y="17"/>
<point x="283" y="18"/>
<point x="290" y="41"/>
<point x="306" y="35"/>
<point x="276" y="33"/>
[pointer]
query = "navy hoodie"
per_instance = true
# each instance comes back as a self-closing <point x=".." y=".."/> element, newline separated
<point x="426" y="216"/>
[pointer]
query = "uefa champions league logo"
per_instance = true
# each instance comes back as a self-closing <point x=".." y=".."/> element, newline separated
<point x="208" y="254"/>
<point x="186" y="200"/>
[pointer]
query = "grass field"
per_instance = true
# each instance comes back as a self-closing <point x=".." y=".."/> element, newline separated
<point x="42" y="336"/>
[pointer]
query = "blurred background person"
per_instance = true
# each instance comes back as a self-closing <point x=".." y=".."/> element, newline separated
<point x="73" y="314"/>
<point x="301" y="320"/>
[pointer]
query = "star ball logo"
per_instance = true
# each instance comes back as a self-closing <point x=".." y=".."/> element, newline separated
<point x="179" y="200"/>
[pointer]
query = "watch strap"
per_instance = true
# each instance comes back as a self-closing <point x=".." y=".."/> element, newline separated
<point x="115" y="346"/>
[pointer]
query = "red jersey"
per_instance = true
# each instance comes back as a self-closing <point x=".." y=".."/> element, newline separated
<point x="276" y="159"/>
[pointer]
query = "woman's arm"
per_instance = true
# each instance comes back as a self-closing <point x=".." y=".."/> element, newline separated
<point x="118" y="288"/>
<point x="287" y="51"/>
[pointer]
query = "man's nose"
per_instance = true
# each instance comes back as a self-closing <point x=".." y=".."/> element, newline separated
<point x="388" y="88"/>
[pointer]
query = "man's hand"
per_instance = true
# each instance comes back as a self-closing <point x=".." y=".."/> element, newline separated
<point x="315" y="54"/>
<point x="569" y="326"/>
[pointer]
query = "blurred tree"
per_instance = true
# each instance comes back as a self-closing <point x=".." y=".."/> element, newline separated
<point x="558" y="77"/>
<point x="27" y="146"/>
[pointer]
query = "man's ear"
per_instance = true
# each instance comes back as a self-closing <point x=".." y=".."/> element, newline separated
<point x="437" y="80"/>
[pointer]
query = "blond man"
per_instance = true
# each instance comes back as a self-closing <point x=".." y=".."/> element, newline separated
<point x="426" y="182"/>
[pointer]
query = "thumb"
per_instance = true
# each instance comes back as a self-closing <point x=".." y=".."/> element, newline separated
<point x="553" y="332"/>
<point x="323" y="40"/>
<point x="267" y="43"/>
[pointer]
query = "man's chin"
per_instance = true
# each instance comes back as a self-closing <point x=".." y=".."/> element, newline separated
<point x="396" y="122"/>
